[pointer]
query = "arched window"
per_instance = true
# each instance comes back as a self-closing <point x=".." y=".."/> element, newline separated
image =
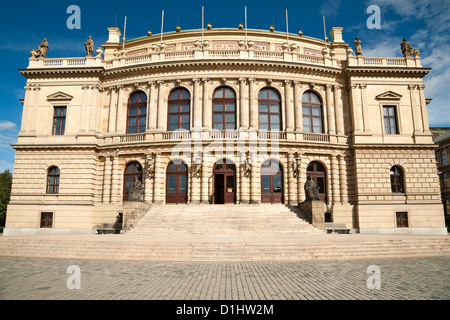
<point x="269" y="110"/>
<point x="177" y="182"/>
<point x="179" y="110"/>
<point x="53" y="176"/>
<point x="132" y="179"/>
<point x="224" y="109"/>
<point x="312" y="113"/>
<point x="317" y="171"/>
<point x="397" y="180"/>
<point x="137" y="113"/>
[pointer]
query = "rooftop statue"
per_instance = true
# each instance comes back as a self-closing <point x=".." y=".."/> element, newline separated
<point x="358" y="49"/>
<point x="89" y="45"/>
<point x="407" y="49"/>
<point x="41" y="51"/>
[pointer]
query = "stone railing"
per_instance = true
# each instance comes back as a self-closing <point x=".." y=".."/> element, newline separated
<point x="361" y="61"/>
<point x="191" y="55"/>
<point x="217" y="135"/>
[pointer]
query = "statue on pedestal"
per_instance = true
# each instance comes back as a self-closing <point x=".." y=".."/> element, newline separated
<point x="41" y="52"/>
<point x="311" y="190"/>
<point x="89" y="45"/>
<point x="358" y="48"/>
<point x="135" y="190"/>
<point x="407" y="49"/>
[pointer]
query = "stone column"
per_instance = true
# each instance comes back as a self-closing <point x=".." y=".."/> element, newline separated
<point x="195" y="182"/>
<point x="148" y="179"/>
<point x="205" y="179"/>
<point x="330" y="110"/>
<point x="107" y="174"/>
<point x="415" y="110"/>
<point x="298" y="107"/>
<point x="253" y="106"/>
<point x="83" y="121"/>
<point x="94" y="107"/>
<point x="356" y="109"/>
<point x="254" y="182"/>
<point x="292" y="182"/>
<point x="34" y="114"/>
<point x="27" y="105"/>
<point x="423" y="107"/>
<point x="112" y="110"/>
<point x="339" y="111"/>
<point x="162" y="109"/>
<point x="152" y="106"/>
<point x="290" y="117"/>
<point x="343" y="178"/>
<point x="244" y="104"/>
<point x="301" y="179"/>
<point x="365" y="108"/>
<point x="336" y="197"/>
<point x="116" y="179"/>
<point x="207" y="107"/>
<point x="159" y="185"/>
<point x="121" y="112"/>
<point x="197" y="106"/>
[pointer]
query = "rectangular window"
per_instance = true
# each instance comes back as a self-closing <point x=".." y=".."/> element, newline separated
<point x="390" y="120"/>
<point x="402" y="219"/>
<point x="59" y="121"/>
<point x="47" y="220"/>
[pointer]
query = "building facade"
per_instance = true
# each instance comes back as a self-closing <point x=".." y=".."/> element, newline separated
<point x="224" y="116"/>
<point x="442" y="139"/>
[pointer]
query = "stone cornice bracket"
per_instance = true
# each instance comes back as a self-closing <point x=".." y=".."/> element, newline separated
<point x="177" y="82"/>
<point x="269" y="82"/>
<point x="312" y="85"/>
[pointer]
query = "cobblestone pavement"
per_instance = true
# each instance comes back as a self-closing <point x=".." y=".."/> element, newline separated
<point x="399" y="279"/>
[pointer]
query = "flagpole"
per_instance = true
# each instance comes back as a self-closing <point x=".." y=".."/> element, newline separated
<point x="287" y="27"/>
<point x="162" y="26"/>
<point x="246" y="44"/>
<point x="203" y="24"/>
<point x="325" y="32"/>
<point x="124" y="33"/>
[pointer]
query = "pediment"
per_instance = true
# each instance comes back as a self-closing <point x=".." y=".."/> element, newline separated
<point x="389" y="95"/>
<point x="59" y="96"/>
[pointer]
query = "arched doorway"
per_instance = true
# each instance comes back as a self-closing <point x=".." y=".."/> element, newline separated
<point x="132" y="179"/>
<point x="271" y="182"/>
<point x="317" y="171"/>
<point x="224" y="182"/>
<point x="177" y="183"/>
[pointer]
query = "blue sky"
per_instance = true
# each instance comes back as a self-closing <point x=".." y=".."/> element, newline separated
<point x="25" y="23"/>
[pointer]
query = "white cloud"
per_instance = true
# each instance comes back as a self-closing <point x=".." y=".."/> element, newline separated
<point x="330" y="7"/>
<point x="7" y="125"/>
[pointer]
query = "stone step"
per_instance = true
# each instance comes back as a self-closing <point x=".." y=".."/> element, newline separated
<point x="219" y="251"/>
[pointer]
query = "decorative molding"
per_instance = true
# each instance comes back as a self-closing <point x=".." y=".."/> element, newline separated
<point x="59" y="96"/>
<point x="389" y="95"/>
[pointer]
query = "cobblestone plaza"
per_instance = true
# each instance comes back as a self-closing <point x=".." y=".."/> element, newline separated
<point x="400" y="279"/>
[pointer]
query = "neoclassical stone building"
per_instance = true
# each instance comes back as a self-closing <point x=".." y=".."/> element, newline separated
<point x="225" y="116"/>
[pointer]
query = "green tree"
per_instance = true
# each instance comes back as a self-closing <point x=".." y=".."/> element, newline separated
<point x="5" y="193"/>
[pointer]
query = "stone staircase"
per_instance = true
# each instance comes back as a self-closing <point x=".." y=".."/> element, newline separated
<point x="223" y="220"/>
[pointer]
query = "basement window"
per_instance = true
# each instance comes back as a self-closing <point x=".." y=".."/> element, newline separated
<point x="46" y="220"/>
<point x="402" y="219"/>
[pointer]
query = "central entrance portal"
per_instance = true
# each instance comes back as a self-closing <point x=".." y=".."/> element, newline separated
<point x="224" y="182"/>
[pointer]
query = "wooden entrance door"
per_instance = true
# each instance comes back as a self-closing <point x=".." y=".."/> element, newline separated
<point x="271" y="182"/>
<point x="177" y="183"/>
<point x="224" y="182"/>
<point x="317" y="172"/>
<point x="133" y="173"/>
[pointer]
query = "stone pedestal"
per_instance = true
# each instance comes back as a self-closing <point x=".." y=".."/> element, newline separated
<point x="132" y="212"/>
<point x="314" y="212"/>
